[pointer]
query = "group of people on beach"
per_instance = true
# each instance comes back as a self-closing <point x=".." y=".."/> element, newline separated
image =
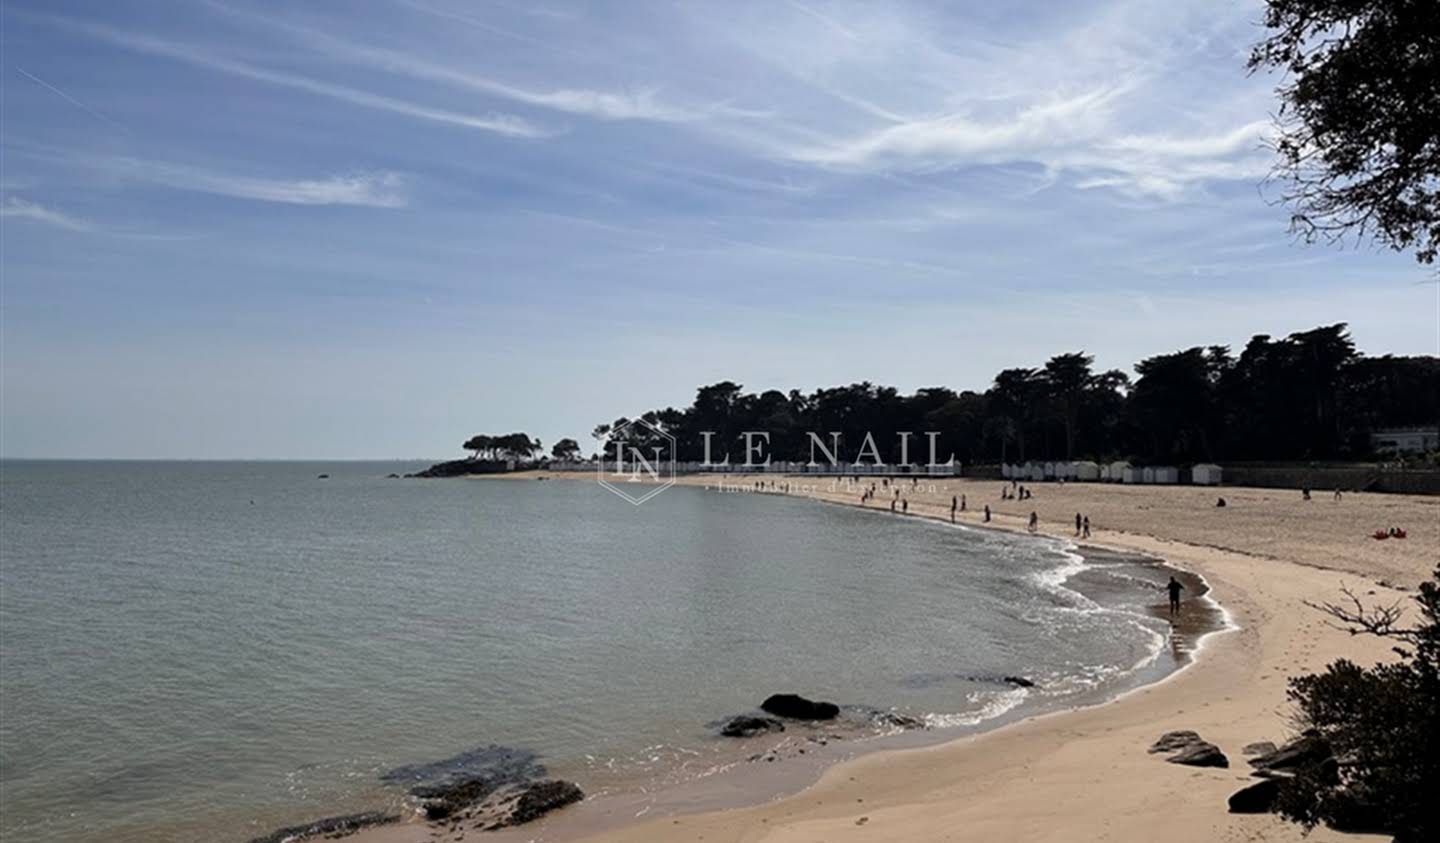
<point x="1015" y="492"/>
<point x="1082" y="526"/>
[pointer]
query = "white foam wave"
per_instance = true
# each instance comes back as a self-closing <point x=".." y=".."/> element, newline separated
<point x="995" y="704"/>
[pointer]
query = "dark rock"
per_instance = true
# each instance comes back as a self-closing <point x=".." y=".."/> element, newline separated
<point x="541" y="798"/>
<point x="1174" y="741"/>
<point x="1200" y="754"/>
<point x="460" y="468"/>
<point x="502" y="764"/>
<point x="1258" y="798"/>
<point x="797" y="707"/>
<point x="1258" y="748"/>
<point x="1019" y="681"/>
<point x="1307" y="750"/>
<point x="392" y="477"/>
<point x="444" y="800"/>
<point x="322" y="477"/>
<point x="745" y="726"/>
<point x="331" y="827"/>
<point x="896" y="720"/>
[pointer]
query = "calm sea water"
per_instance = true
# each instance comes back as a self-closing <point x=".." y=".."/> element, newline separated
<point x="211" y="650"/>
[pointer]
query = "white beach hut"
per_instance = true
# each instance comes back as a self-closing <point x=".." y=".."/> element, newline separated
<point x="1006" y="471"/>
<point x="1049" y="468"/>
<point x="1117" y="472"/>
<point x="1131" y="474"/>
<point x="1205" y="474"/>
<point x="1167" y="474"/>
<point x="1035" y="472"/>
<point x="1147" y="475"/>
<point x="1086" y="471"/>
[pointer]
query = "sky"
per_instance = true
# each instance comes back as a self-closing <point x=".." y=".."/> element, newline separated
<point x="369" y="230"/>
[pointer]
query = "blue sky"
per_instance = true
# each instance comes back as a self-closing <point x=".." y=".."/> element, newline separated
<point x="369" y="229"/>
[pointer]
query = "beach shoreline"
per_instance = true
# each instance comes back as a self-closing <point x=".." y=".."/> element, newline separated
<point x="1269" y="635"/>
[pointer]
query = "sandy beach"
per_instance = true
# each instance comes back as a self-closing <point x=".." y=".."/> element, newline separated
<point x="1085" y="774"/>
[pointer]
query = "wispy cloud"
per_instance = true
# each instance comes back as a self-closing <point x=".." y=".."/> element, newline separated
<point x="20" y="208"/>
<point x="72" y="100"/>
<point x="640" y="104"/>
<point x="371" y="190"/>
<point x="499" y="123"/>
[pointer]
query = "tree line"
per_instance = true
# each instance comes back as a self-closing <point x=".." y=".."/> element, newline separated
<point x="1308" y="396"/>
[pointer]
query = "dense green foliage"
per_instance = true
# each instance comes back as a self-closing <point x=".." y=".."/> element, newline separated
<point x="1383" y="725"/>
<point x="1307" y="396"/>
<point x="509" y="446"/>
<point x="1359" y="122"/>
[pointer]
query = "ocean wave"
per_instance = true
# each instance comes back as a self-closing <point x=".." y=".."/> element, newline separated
<point x="992" y="705"/>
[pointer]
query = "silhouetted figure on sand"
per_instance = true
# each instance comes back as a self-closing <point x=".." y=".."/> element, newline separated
<point x="1034" y="521"/>
<point x="1174" y="587"/>
<point x="987" y="513"/>
<point x="1085" y="527"/>
<point x="1079" y="522"/>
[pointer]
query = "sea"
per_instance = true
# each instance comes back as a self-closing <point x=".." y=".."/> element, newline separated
<point x="211" y="650"/>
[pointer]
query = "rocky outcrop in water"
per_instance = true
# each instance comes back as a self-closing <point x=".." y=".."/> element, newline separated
<point x="498" y="764"/>
<point x="1190" y="749"/>
<point x="1018" y="681"/>
<point x="540" y="798"/>
<point x="490" y="787"/>
<point x="488" y="807"/>
<point x="745" y="726"/>
<point x="797" y="707"/>
<point x="330" y="827"/>
<point x="896" y="720"/>
<point x="460" y="468"/>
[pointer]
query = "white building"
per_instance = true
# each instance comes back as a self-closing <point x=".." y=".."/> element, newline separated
<point x="1205" y="474"/>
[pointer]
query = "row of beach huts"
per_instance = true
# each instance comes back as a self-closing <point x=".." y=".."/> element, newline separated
<point x="1201" y="474"/>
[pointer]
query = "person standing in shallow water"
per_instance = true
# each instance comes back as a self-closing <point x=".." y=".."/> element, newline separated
<point x="1034" y="521"/>
<point x="1174" y="587"/>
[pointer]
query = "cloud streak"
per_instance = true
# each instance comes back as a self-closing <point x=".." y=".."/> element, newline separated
<point x="641" y="104"/>
<point x="16" y="207"/>
<point x="366" y="190"/>
<point x="496" y="122"/>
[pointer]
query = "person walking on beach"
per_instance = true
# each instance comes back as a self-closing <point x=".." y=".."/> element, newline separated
<point x="905" y="507"/>
<point x="1085" y="532"/>
<point x="987" y="513"/>
<point x="1174" y="587"/>
<point x="1077" y="523"/>
<point x="962" y="503"/>
<point x="1034" y="521"/>
<point x="954" y="507"/>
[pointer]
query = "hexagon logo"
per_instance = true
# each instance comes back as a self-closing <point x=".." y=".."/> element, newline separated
<point x="637" y="461"/>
